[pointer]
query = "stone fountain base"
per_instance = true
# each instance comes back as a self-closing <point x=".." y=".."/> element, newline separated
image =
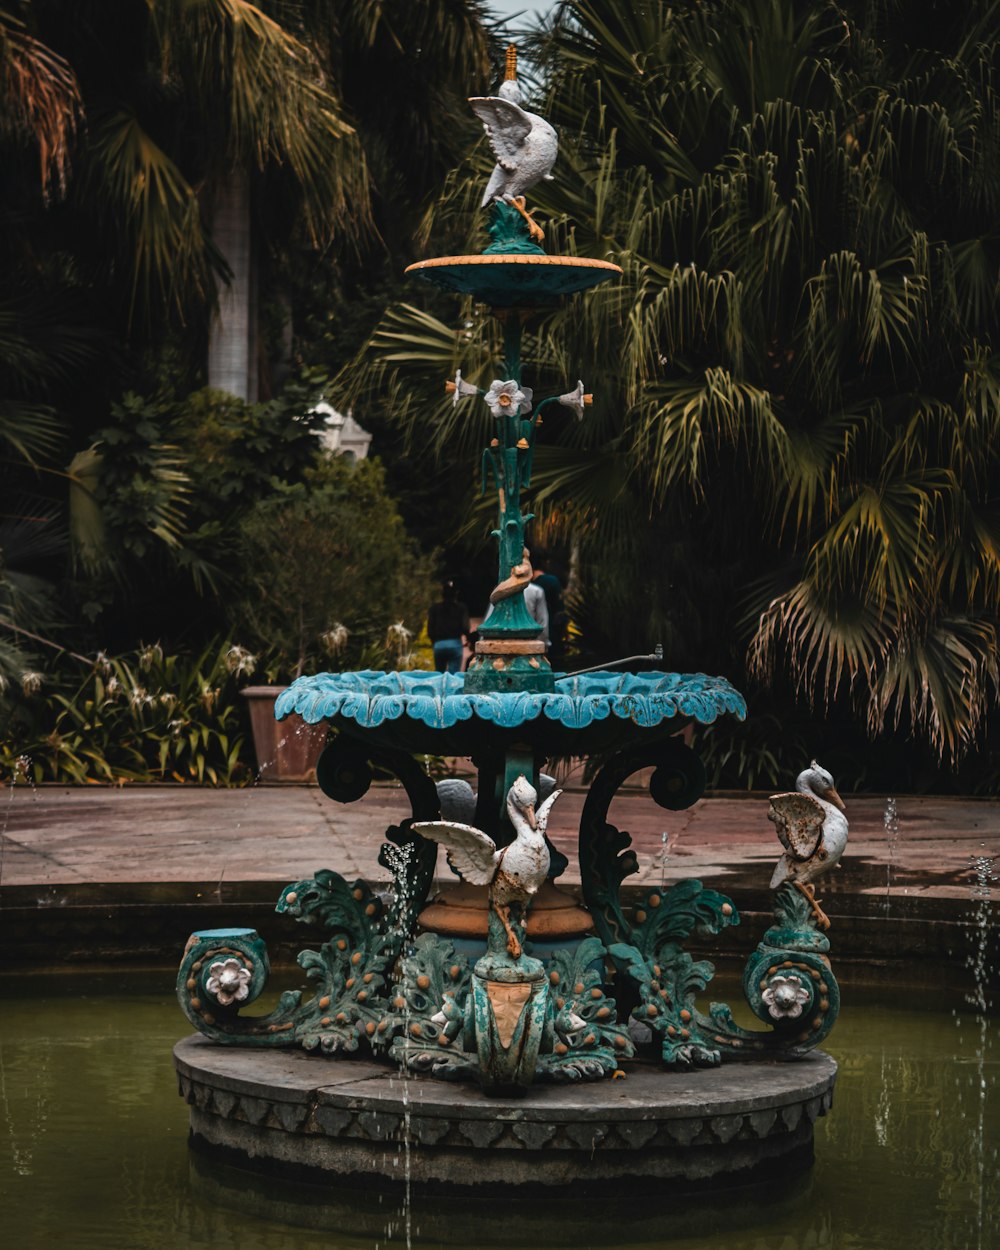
<point x="349" y="1121"/>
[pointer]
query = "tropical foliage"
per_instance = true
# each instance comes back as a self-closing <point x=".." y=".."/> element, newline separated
<point x="123" y="482"/>
<point x="797" y="378"/>
<point x="790" y="472"/>
<point x="144" y="716"/>
<point x="332" y="580"/>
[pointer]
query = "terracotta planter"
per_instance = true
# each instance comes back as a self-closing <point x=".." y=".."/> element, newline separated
<point x="287" y="750"/>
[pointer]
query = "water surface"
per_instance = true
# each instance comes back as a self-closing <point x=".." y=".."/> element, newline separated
<point x="93" y="1144"/>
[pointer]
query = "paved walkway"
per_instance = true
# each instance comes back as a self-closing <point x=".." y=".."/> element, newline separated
<point x="56" y="836"/>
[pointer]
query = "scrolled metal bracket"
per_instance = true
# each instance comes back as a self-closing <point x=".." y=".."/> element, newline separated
<point x="789" y="984"/>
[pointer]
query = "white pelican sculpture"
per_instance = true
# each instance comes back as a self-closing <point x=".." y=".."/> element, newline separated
<point x="514" y="873"/>
<point x="812" y="827"/>
<point x="524" y="144"/>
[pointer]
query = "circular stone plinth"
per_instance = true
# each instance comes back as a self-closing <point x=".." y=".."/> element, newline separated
<point x="344" y="1120"/>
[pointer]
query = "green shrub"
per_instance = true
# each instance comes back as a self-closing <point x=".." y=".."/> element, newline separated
<point x="144" y="716"/>
<point x="331" y="577"/>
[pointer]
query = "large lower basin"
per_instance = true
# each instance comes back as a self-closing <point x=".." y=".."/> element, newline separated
<point x="94" y="1149"/>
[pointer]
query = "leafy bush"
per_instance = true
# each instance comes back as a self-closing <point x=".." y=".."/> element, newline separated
<point x="163" y="487"/>
<point x="144" y="716"/>
<point x="331" y="576"/>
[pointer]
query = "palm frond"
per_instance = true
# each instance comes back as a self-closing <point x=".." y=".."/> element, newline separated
<point x="152" y="204"/>
<point x="270" y="99"/>
<point x="39" y="100"/>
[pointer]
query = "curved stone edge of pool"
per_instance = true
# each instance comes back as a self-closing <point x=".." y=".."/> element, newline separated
<point x="348" y="1121"/>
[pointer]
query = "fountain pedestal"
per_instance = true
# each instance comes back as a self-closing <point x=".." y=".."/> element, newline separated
<point x="331" y="1123"/>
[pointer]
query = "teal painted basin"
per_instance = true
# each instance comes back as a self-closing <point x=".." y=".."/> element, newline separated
<point x="430" y="713"/>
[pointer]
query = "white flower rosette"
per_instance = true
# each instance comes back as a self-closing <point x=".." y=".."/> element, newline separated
<point x="785" y="997"/>
<point x="228" y="981"/>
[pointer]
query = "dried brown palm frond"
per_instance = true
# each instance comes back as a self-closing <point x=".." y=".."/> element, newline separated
<point x="40" y="102"/>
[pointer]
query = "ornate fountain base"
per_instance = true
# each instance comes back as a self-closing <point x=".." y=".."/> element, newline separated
<point x="294" y="1114"/>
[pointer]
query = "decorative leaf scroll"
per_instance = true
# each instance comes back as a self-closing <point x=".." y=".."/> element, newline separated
<point x="667" y="991"/>
<point x="426" y="1026"/>
<point x="673" y="915"/>
<point x="586" y="1040"/>
<point x="351" y="971"/>
<point x="351" y="985"/>
<point x="327" y="900"/>
<point x="666" y="976"/>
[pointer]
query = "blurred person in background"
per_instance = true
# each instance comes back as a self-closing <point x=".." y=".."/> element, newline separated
<point x="447" y="628"/>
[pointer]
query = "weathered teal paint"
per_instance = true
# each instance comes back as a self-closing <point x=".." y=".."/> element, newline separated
<point x="509" y="235"/>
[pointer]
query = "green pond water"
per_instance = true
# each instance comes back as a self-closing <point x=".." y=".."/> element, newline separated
<point x="94" y="1153"/>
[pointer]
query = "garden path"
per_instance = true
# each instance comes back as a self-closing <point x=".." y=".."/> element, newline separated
<point x="63" y="836"/>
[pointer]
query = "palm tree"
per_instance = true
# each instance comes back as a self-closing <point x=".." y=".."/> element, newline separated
<point x="114" y="121"/>
<point x="798" y="374"/>
<point x="158" y="155"/>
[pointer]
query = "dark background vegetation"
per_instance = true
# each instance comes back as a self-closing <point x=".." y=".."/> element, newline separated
<point x="790" y="474"/>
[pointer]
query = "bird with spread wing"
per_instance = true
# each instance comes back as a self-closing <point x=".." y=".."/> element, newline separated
<point x="524" y="144"/>
<point x="514" y="873"/>
<point x="812" y="827"/>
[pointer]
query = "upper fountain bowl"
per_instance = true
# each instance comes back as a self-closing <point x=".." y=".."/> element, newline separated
<point x="515" y="279"/>
<point x="431" y="713"/>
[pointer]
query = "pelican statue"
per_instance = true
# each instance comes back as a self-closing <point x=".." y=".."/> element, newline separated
<point x="524" y="144"/>
<point x="513" y="873"/>
<point x="458" y="799"/>
<point x="812" y="827"/>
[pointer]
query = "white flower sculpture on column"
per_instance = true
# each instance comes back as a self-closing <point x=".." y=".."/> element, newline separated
<point x="785" y="998"/>
<point x="229" y="981"/>
<point x="504" y="397"/>
<point x="459" y="388"/>
<point x="577" y="400"/>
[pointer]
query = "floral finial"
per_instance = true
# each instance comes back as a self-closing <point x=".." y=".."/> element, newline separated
<point x="785" y="998"/>
<point x="459" y="389"/>
<point x="229" y="981"/>
<point x="576" y="400"/>
<point x="504" y="397"/>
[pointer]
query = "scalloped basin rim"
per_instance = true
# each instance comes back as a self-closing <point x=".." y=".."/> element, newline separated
<point x="438" y="700"/>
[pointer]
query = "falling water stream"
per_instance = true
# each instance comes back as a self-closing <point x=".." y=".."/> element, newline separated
<point x="664" y="848"/>
<point x="398" y="860"/>
<point x="20" y="773"/>
<point x="890" y="822"/>
<point x="983" y="868"/>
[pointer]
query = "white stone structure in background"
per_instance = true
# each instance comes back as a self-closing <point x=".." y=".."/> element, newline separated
<point x="232" y="339"/>
<point x="342" y="436"/>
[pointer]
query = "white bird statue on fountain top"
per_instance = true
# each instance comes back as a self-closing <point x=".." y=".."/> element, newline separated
<point x="514" y="873"/>
<point x="812" y="827"/>
<point x="524" y="144"/>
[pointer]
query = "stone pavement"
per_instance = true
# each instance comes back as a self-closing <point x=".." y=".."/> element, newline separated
<point x="62" y="836"/>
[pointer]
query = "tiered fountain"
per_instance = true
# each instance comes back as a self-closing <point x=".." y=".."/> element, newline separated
<point x="483" y="1031"/>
